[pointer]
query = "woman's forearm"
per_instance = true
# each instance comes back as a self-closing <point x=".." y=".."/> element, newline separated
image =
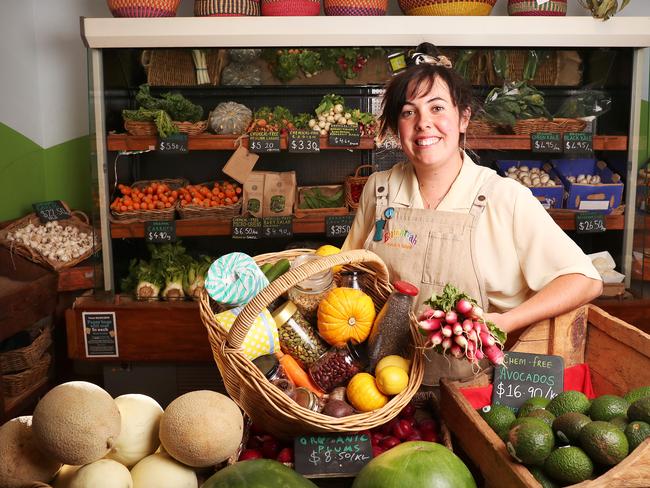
<point x="562" y="294"/>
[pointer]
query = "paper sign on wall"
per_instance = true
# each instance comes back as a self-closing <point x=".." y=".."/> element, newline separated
<point x="100" y="334"/>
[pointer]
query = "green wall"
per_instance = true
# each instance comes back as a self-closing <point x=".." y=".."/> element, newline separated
<point x="30" y="173"/>
<point x="644" y="140"/>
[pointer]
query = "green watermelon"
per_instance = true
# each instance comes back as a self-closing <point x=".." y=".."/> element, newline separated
<point x="415" y="464"/>
<point x="257" y="473"/>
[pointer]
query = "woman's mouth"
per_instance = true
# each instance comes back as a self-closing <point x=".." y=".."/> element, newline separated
<point x="427" y="141"/>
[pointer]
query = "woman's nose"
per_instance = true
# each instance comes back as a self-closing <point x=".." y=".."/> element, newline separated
<point x="423" y="122"/>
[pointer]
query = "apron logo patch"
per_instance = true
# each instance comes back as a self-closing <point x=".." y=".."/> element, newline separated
<point x="401" y="238"/>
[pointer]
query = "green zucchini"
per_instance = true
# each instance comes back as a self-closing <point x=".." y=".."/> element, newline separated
<point x="278" y="269"/>
<point x="266" y="267"/>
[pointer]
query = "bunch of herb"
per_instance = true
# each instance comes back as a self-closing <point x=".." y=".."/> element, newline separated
<point x="514" y="101"/>
<point x="287" y="64"/>
<point x="176" y="105"/>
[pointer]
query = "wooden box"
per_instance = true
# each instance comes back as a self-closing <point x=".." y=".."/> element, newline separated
<point x="619" y="359"/>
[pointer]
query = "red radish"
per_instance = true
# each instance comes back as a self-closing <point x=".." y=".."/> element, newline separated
<point x="407" y="412"/>
<point x="250" y="454"/>
<point x="447" y="331"/>
<point x="435" y="338"/>
<point x="482" y="326"/>
<point x="456" y="351"/>
<point x="387" y="428"/>
<point x="476" y="313"/>
<point x="426" y="313"/>
<point x="446" y="343"/>
<point x="457" y="329"/>
<point x="461" y="341"/>
<point x="487" y="339"/>
<point x="451" y="317"/>
<point x="430" y="324"/>
<point x="468" y="325"/>
<point x="438" y="314"/>
<point x="389" y="441"/>
<point x="478" y="354"/>
<point x="471" y="335"/>
<point x="494" y="354"/>
<point x="285" y="455"/>
<point x="463" y="306"/>
<point x="402" y="429"/>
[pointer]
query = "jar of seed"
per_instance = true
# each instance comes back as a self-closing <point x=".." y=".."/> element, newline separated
<point x="308" y="294"/>
<point x="297" y="337"/>
<point x="336" y="367"/>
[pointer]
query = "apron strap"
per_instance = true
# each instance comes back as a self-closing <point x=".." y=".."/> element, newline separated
<point x="480" y="201"/>
<point x="381" y="194"/>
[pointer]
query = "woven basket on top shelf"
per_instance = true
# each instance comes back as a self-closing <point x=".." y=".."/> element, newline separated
<point x="355" y="7"/>
<point x="16" y="383"/>
<point x="226" y="8"/>
<point x="175" y="67"/>
<point x="191" y="128"/>
<point x="155" y="214"/>
<point x="547" y="70"/>
<point x="143" y="8"/>
<point x="528" y="126"/>
<point x="263" y="401"/>
<point x="447" y="7"/>
<point x="355" y="181"/>
<point x="290" y="7"/>
<point x="535" y="8"/>
<point x="26" y="357"/>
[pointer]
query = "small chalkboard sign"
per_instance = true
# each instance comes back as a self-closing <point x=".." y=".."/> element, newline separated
<point x="331" y="455"/>
<point x="523" y="376"/>
<point x="160" y="231"/>
<point x="578" y="143"/>
<point x="546" y="142"/>
<point x="303" y="141"/>
<point x="100" y="334"/>
<point x="264" y="142"/>
<point x="51" y="211"/>
<point x="590" y="223"/>
<point x="344" y="135"/>
<point x="338" y="225"/>
<point x="246" y="228"/>
<point x="280" y="226"/>
<point x="173" y="144"/>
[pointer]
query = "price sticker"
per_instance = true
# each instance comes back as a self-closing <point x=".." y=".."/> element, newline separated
<point x="546" y="142"/>
<point x="590" y="223"/>
<point x="338" y="225"/>
<point x="51" y="211"/>
<point x="275" y="227"/>
<point x="264" y="142"/>
<point x="303" y="141"/>
<point x="246" y="228"/>
<point x="174" y="144"/>
<point x="578" y="143"/>
<point x="344" y="135"/>
<point x="160" y="231"/>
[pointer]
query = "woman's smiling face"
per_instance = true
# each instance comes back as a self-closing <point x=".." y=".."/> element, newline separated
<point x="430" y="125"/>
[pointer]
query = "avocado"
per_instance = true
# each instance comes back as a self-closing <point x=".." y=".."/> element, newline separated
<point x="638" y="393"/>
<point x="567" y="426"/>
<point x="606" y="407"/>
<point x="499" y="418"/>
<point x="568" y="465"/>
<point x="531" y="404"/>
<point x="604" y="443"/>
<point x="540" y="476"/>
<point x="640" y="410"/>
<point x="636" y="432"/>
<point x="620" y="421"/>
<point x="530" y="442"/>
<point x="568" y="401"/>
<point x="543" y="415"/>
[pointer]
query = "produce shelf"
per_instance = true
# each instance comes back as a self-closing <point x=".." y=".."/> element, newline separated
<point x="307" y="225"/>
<point x="522" y="142"/>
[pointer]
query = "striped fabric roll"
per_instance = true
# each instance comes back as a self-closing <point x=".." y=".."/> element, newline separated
<point x="533" y="7"/>
<point x="234" y="279"/>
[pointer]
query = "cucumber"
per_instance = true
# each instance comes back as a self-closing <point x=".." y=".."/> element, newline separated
<point x="266" y="267"/>
<point x="278" y="269"/>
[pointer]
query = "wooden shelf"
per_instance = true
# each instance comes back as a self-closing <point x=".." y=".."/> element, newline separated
<point x="522" y="142"/>
<point x="210" y="142"/>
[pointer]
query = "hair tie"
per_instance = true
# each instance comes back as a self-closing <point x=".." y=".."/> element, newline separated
<point x="421" y="58"/>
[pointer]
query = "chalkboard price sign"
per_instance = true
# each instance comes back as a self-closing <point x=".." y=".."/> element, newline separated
<point x="523" y="376"/>
<point x="578" y="143"/>
<point x="246" y="228"/>
<point x="331" y="455"/>
<point x="173" y="144"/>
<point x="264" y="142"/>
<point x="344" y="135"/>
<point x="51" y="211"/>
<point x="546" y="142"/>
<point x="280" y="226"/>
<point x="160" y="231"/>
<point x="100" y="334"/>
<point x="590" y="223"/>
<point x="303" y="141"/>
<point x="338" y="225"/>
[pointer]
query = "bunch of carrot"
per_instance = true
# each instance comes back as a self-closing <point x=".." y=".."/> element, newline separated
<point x="221" y="194"/>
<point x="155" y="196"/>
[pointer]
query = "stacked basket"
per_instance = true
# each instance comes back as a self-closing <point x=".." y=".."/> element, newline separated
<point x="143" y="8"/>
<point x="226" y="8"/>
<point x="447" y="7"/>
<point x="534" y="7"/>
<point x="290" y="7"/>
<point x="355" y="7"/>
<point x="528" y="126"/>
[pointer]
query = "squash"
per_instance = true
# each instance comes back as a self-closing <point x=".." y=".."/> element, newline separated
<point x="363" y="394"/>
<point x="345" y="314"/>
<point x="243" y="55"/>
<point x="230" y="118"/>
<point x="241" y="74"/>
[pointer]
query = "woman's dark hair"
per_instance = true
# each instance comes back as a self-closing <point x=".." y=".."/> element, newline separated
<point x="411" y="81"/>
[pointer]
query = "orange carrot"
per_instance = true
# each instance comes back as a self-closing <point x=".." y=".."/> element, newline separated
<point x="296" y="374"/>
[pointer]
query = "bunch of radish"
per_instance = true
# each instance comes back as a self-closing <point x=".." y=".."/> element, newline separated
<point x="453" y="324"/>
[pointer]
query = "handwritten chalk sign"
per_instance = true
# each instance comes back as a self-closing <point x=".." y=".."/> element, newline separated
<point x="279" y="226"/>
<point x="590" y="223"/>
<point x="173" y="144"/>
<point x="338" y="225"/>
<point x="523" y="376"/>
<point x="264" y="142"/>
<point x="246" y="228"/>
<point x="546" y="142"/>
<point x="341" y="135"/>
<point x="100" y="334"/>
<point x="160" y="231"/>
<point x="303" y="141"/>
<point x="51" y="211"/>
<point x="578" y="143"/>
<point x="331" y="455"/>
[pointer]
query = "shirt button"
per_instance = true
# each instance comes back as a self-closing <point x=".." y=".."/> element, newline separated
<point x="481" y="198"/>
<point x="380" y="189"/>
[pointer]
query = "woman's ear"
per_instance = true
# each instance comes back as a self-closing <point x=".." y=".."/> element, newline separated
<point x="464" y="119"/>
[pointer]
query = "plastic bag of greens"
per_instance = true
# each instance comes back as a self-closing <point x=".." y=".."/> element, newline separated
<point x="587" y="102"/>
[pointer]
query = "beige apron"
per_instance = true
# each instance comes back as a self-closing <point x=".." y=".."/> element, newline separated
<point x="430" y="248"/>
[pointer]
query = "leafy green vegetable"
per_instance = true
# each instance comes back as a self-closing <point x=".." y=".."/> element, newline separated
<point x="514" y="101"/>
<point x="328" y="102"/>
<point x="159" y="117"/>
<point x="176" y="105"/>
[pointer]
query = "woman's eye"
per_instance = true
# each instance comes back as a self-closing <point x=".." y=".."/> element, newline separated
<point x="437" y="108"/>
<point x="407" y="113"/>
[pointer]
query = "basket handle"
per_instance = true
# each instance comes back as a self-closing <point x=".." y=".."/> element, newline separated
<point x="363" y="166"/>
<point x="245" y="319"/>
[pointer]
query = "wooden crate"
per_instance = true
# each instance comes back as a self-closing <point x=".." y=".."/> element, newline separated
<point x="619" y="359"/>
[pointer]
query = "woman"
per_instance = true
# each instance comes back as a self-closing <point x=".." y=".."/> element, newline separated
<point x="442" y="218"/>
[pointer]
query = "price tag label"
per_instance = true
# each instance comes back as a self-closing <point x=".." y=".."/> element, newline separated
<point x="338" y="225"/>
<point x="578" y="142"/>
<point x="264" y="142"/>
<point x="160" y="231"/>
<point x="51" y="211"/>
<point x="246" y="228"/>
<point x="590" y="223"/>
<point x="344" y="135"/>
<point x="303" y="141"/>
<point x="331" y="455"/>
<point x="397" y="62"/>
<point x="174" y="144"/>
<point x="280" y="226"/>
<point x="546" y="142"/>
<point x="523" y="376"/>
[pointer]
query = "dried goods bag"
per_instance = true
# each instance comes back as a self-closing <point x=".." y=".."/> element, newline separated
<point x="279" y="193"/>
<point x="262" y="337"/>
<point x="253" y="194"/>
<point x="234" y="279"/>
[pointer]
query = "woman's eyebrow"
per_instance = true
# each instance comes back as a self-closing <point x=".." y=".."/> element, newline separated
<point x="434" y="99"/>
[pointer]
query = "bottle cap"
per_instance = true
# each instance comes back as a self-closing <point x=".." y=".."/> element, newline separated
<point x="267" y="364"/>
<point x="406" y="288"/>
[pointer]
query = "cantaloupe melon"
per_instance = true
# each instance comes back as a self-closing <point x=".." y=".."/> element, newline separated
<point x="201" y="428"/>
<point x="140" y="416"/>
<point x="21" y="462"/>
<point x="163" y="471"/>
<point x="76" y="423"/>
<point x="64" y="476"/>
<point x="104" y="473"/>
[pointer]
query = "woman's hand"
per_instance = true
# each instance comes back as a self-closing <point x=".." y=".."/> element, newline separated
<point x="499" y="319"/>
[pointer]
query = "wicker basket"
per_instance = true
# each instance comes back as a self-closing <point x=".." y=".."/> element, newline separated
<point x="480" y="127"/>
<point x="447" y="7"/>
<point x="191" y="128"/>
<point x="17" y="383"/>
<point x="290" y="7"/>
<point x="547" y="73"/>
<point x="143" y="8"/>
<point x="528" y="126"/>
<point x="224" y="212"/>
<point x="263" y="401"/>
<point x="26" y="357"/>
<point x="532" y="7"/>
<point x="175" y="67"/>
<point x="156" y="214"/>
<point x="355" y="180"/>
<point x="226" y="8"/>
<point x="140" y="128"/>
<point x="355" y="7"/>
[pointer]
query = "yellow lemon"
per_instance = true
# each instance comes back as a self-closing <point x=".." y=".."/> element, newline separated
<point x="392" y="380"/>
<point x="393" y="360"/>
<point x="328" y="250"/>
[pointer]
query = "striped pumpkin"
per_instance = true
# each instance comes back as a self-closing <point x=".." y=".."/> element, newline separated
<point x="532" y="7"/>
<point x="447" y="7"/>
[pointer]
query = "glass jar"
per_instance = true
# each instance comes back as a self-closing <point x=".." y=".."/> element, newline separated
<point x="308" y="293"/>
<point x="336" y="367"/>
<point x="308" y="399"/>
<point x="391" y="331"/>
<point x="350" y="279"/>
<point x="297" y="337"/>
<point x="270" y="367"/>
